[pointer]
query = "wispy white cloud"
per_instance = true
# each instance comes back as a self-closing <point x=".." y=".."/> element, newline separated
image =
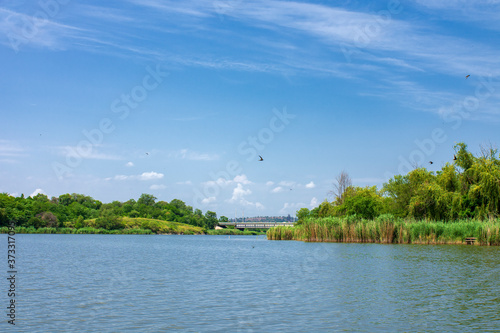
<point x="313" y="203"/>
<point x="20" y="29"/>
<point x="11" y="149"/>
<point x="221" y="182"/>
<point x="157" y="187"/>
<point x="290" y="208"/>
<point x="277" y="189"/>
<point x="145" y="176"/>
<point x="150" y="175"/>
<point x="187" y="154"/>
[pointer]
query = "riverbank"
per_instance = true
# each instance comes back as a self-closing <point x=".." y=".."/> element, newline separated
<point x="390" y="230"/>
<point x="130" y="226"/>
<point x="134" y="226"/>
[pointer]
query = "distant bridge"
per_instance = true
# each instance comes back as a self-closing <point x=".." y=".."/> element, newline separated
<point x="255" y="225"/>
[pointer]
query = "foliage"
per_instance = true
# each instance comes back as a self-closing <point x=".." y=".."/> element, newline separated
<point x="79" y="211"/>
<point x="468" y="187"/>
<point x="389" y="229"/>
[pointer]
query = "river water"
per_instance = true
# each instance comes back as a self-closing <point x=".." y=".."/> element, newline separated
<point x="149" y="283"/>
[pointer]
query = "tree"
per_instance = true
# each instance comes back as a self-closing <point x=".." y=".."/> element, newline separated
<point x="109" y="221"/>
<point x="147" y="200"/>
<point x="210" y="220"/>
<point x="342" y="182"/>
<point x="364" y="202"/>
<point x="49" y="219"/>
<point x="79" y="223"/>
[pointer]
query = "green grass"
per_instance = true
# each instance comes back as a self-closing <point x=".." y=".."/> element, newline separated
<point x="387" y="229"/>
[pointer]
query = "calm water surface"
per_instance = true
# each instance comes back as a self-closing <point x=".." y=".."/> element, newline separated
<point x="128" y="283"/>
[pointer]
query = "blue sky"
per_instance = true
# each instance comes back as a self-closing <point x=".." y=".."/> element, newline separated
<point x="178" y="99"/>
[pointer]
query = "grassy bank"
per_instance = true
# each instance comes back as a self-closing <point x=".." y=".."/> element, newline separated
<point x="135" y="226"/>
<point x="387" y="229"/>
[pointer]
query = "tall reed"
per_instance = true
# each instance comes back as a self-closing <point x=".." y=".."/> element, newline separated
<point x="388" y="229"/>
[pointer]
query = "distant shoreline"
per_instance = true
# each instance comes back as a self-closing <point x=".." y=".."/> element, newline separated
<point x="95" y="231"/>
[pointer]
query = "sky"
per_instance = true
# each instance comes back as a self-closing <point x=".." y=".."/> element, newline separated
<point x="178" y="99"/>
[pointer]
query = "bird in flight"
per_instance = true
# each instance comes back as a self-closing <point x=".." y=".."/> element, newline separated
<point x="430" y="162"/>
<point x="454" y="157"/>
<point x="467" y="76"/>
<point x="261" y="159"/>
<point x="147" y="153"/>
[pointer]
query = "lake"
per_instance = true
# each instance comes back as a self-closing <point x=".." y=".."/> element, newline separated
<point x="149" y="283"/>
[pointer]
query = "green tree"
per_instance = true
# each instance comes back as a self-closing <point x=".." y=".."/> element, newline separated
<point x="364" y="202"/>
<point x="210" y="220"/>
<point x="80" y="222"/>
<point x="147" y="200"/>
<point x="303" y="213"/>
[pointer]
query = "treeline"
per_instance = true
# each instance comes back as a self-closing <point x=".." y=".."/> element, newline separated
<point x="75" y="210"/>
<point x="466" y="188"/>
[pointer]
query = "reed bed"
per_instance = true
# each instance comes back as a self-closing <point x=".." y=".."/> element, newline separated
<point x="389" y="230"/>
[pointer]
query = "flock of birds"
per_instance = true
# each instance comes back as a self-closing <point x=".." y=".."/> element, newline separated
<point x="454" y="158"/>
<point x="430" y="162"/>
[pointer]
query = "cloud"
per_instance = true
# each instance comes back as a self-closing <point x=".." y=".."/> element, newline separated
<point x="287" y="183"/>
<point x="239" y="192"/>
<point x="242" y="179"/>
<point x="11" y="150"/>
<point x="277" y="189"/>
<point x="206" y="201"/>
<point x="187" y="182"/>
<point x="239" y="179"/>
<point x="41" y="32"/>
<point x="145" y="176"/>
<point x="157" y="187"/>
<point x="313" y="203"/>
<point x="37" y="191"/>
<point x="269" y="183"/>
<point x="311" y="185"/>
<point x="186" y="154"/>
<point x="129" y="164"/>
<point x="219" y="182"/>
<point x="150" y="175"/>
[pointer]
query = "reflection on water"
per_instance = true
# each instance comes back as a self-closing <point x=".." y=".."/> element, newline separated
<point x="122" y="283"/>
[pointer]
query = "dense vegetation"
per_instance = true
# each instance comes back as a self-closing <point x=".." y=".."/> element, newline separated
<point x="469" y="187"/>
<point x="459" y="201"/>
<point x="388" y="229"/>
<point x="77" y="213"/>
